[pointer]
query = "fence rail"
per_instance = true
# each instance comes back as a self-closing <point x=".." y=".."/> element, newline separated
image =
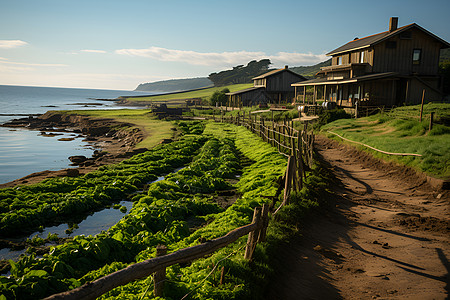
<point x="281" y="134"/>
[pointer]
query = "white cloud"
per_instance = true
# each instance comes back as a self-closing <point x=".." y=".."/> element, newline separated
<point x="5" y="69"/>
<point x="222" y="58"/>
<point x="297" y="59"/>
<point x="32" y="65"/>
<point x="93" y="51"/>
<point x="9" y="44"/>
<point x="192" y="57"/>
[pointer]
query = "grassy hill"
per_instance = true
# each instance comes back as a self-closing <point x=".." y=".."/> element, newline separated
<point x="175" y="85"/>
<point x="179" y="98"/>
<point x="445" y="55"/>
<point x="310" y="71"/>
<point x="400" y="131"/>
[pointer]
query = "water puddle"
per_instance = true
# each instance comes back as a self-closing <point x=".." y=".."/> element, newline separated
<point x="7" y="253"/>
<point x="91" y="225"/>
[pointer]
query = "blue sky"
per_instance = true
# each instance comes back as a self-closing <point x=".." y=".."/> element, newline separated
<point x="119" y="44"/>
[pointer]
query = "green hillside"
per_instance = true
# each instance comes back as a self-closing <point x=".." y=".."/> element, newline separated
<point x="310" y="71"/>
<point x="445" y="55"/>
<point x="178" y="98"/>
<point x="400" y="131"/>
<point x="175" y="85"/>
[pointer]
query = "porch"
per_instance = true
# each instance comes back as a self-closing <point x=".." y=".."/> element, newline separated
<point x="373" y="89"/>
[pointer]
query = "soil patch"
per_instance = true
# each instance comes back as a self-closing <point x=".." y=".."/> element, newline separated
<point x="383" y="235"/>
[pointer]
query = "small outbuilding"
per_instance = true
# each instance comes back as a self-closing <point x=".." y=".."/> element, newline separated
<point x="272" y="87"/>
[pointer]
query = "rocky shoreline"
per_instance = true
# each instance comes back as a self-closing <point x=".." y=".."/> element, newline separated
<point x="115" y="141"/>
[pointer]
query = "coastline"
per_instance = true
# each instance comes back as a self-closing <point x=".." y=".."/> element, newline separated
<point x="114" y="145"/>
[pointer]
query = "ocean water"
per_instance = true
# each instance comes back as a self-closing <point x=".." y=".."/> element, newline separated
<point x="24" y="151"/>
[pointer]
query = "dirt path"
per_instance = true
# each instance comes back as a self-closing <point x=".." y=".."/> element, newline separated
<point x="385" y="236"/>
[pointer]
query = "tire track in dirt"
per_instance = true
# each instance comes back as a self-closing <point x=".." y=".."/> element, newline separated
<point x="385" y="235"/>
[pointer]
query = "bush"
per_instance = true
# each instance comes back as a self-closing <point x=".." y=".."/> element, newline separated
<point x="330" y="116"/>
<point x="219" y="97"/>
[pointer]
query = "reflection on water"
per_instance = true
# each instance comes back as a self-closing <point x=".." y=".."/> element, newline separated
<point x="23" y="152"/>
<point x="92" y="225"/>
<point x="7" y="253"/>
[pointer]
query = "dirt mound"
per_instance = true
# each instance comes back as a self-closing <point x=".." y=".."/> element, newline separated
<point x="415" y="223"/>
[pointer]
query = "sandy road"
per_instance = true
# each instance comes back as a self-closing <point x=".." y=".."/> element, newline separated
<point x="384" y="236"/>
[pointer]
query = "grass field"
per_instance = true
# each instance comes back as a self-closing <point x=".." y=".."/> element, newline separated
<point x="154" y="129"/>
<point x="204" y="94"/>
<point x="400" y="131"/>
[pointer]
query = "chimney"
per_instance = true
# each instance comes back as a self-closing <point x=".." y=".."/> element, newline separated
<point x="393" y="24"/>
<point x="286" y="66"/>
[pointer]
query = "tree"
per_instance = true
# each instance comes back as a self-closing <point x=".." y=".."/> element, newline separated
<point x="240" y="74"/>
<point x="219" y="97"/>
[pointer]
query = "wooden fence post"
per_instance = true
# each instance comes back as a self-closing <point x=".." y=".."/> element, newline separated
<point x="253" y="235"/>
<point x="284" y="134"/>
<point x="160" y="276"/>
<point x="278" y="137"/>
<point x="421" y="106"/>
<point x="431" y="121"/>
<point x="265" y="223"/>
<point x="287" y="182"/>
<point x="263" y="130"/>
<point x="273" y="130"/>
<point x="292" y="142"/>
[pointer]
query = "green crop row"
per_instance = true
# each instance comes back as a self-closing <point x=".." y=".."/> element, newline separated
<point x="256" y="184"/>
<point x="159" y="216"/>
<point x="29" y="207"/>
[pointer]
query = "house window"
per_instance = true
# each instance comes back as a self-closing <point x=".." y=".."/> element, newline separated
<point x="361" y="57"/>
<point x="417" y="55"/>
<point x="339" y="60"/>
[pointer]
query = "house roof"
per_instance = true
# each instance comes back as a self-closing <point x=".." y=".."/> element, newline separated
<point x="379" y="37"/>
<point x="271" y="73"/>
<point x="325" y="81"/>
<point x="244" y="91"/>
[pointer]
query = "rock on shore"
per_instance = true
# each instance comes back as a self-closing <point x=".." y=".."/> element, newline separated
<point x="116" y="141"/>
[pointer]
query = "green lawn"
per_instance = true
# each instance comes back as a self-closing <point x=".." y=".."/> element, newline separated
<point x="205" y="93"/>
<point x="400" y="131"/>
<point x="154" y="129"/>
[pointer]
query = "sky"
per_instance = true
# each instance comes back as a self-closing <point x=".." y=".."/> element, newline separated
<point x="120" y="44"/>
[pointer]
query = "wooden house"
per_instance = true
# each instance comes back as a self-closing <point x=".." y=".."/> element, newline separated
<point x="272" y="87"/>
<point x="390" y="68"/>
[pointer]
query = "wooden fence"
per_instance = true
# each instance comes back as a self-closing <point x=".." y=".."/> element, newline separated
<point x="256" y="233"/>
<point x="296" y="145"/>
